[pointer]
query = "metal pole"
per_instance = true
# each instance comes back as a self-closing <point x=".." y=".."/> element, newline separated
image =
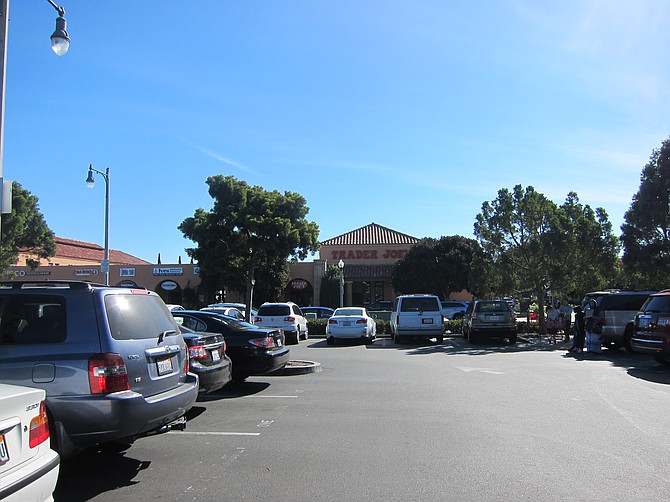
<point x="341" y="265"/>
<point x="106" y="257"/>
<point x="3" y="69"/>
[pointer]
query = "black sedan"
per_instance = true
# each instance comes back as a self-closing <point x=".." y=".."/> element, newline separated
<point x="253" y="350"/>
<point x="207" y="358"/>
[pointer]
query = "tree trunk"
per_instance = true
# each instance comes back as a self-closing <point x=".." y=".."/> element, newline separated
<point x="250" y="292"/>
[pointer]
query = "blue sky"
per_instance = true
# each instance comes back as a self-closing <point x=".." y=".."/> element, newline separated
<point x="406" y="114"/>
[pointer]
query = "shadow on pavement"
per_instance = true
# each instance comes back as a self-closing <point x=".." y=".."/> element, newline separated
<point x="233" y="390"/>
<point x="80" y="477"/>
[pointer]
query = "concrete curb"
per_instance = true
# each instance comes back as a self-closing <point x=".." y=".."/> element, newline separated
<point x="298" y="368"/>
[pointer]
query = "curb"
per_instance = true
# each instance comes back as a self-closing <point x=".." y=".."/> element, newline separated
<point x="299" y="368"/>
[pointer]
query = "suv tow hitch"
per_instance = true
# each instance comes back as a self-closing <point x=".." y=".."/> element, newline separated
<point x="178" y="425"/>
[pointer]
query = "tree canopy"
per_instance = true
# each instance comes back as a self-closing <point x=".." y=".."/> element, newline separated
<point x="24" y="229"/>
<point x="438" y="266"/>
<point x="531" y="244"/>
<point x="646" y="229"/>
<point x="248" y="236"/>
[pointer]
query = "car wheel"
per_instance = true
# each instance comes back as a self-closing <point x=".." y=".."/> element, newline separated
<point x="440" y="339"/>
<point x="399" y="339"/>
<point x="472" y="338"/>
<point x="239" y="378"/>
<point x="663" y="359"/>
<point x="305" y="335"/>
<point x="330" y="340"/>
<point x="627" y="335"/>
<point x="512" y="340"/>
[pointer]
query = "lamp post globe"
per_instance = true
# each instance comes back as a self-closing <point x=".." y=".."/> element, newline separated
<point x="341" y="267"/>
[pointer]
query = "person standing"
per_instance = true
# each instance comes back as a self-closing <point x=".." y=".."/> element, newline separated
<point x="578" y="333"/>
<point x="565" y="311"/>
<point x="593" y="328"/>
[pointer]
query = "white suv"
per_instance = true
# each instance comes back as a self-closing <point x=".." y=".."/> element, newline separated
<point x="417" y="315"/>
<point x="285" y="315"/>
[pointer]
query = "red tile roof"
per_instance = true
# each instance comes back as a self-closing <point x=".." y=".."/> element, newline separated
<point x="72" y="249"/>
<point x="371" y="234"/>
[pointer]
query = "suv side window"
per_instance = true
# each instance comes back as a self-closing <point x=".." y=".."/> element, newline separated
<point x="622" y="302"/>
<point x="190" y="322"/>
<point x="296" y="310"/>
<point x="28" y="319"/>
<point x="133" y="317"/>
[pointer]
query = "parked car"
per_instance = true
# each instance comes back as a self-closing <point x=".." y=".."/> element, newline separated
<point x="239" y="306"/>
<point x="380" y="306"/>
<point x="453" y="309"/>
<point x="111" y="360"/>
<point x="229" y="311"/>
<point x="417" y="316"/>
<point x="617" y="313"/>
<point x="172" y="306"/>
<point x="651" y="333"/>
<point x="286" y="316"/>
<point x="351" y="323"/>
<point x="208" y="359"/>
<point x="253" y="350"/>
<point x="489" y="318"/>
<point x="28" y="466"/>
<point x="317" y="312"/>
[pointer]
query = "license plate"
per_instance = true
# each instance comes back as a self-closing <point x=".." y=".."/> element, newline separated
<point x="493" y="318"/>
<point x="216" y="356"/>
<point x="278" y="342"/>
<point x="347" y="323"/>
<point x="427" y="320"/>
<point x="164" y="366"/>
<point x="4" y="452"/>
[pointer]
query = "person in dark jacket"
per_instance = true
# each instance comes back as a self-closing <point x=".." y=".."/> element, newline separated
<point x="578" y="331"/>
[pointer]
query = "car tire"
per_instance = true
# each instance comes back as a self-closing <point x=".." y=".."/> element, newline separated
<point x="305" y="335"/>
<point x="330" y="340"/>
<point x="512" y="340"/>
<point x="627" y="336"/>
<point x="440" y="339"/>
<point x="472" y="338"/>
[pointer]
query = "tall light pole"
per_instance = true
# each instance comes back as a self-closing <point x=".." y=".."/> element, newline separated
<point x="90" y="183"/>
<point x="341" y="266"/>
<point x="60" y="42"/>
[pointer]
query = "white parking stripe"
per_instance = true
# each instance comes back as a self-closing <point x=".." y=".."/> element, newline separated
<point x="195" y="433"/>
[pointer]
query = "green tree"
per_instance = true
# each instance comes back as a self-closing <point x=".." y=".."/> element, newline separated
<point x="330" y="287"/>
<point x="520" y="234"/>
<point x="438" y="266"/>
<point x="646" y="229"/>
<point x="24" y="229"/>
<point x="248" y="235"/>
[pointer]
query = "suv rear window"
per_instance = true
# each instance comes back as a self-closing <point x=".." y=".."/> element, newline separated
<point x="419" y="305"/>
<point x="133" y="317"/>
<point x="622" y="302"/>
<point x="657" y="304"/>
<point x="274" y="310"/>
<point x="28" y="319"/>
<point x="501" y="306"/>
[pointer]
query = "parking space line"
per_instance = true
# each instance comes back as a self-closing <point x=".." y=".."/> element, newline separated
<point x="282" y="397"/>
<point x="196" y="433"/>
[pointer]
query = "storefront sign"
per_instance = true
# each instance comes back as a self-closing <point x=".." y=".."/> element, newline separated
<point x="169" y="285"/>
<point x="127" y="272"/>
<point x="23" y="273"/>
<point x="367" y="254"/>
<point x="85" y="272"/>
<point x="168" y="271"/>
<point x="299" y="284"/>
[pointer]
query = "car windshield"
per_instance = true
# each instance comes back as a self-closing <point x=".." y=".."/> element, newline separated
<point x="348" y="312"/>
<point x="657" y="304"/>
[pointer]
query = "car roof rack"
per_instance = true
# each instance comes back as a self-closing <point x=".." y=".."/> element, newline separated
<point x="76" y="285"/>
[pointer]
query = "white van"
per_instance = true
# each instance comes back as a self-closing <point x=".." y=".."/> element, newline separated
<point x="417" y="315"/>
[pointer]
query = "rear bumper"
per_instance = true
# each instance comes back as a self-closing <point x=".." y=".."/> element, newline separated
<point x="494" y="331"/>
<point x="258" y="363"/>
<point x="212" y="378"/>
<point x="35" y="479"/>
<point x="428" y="333"/>
<point x="83" y="421"/>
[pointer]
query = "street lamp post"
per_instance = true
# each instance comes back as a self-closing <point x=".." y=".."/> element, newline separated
<point x="60" y="42"/>
<point x="90" y="182"/>
<point x="341" y="266"/>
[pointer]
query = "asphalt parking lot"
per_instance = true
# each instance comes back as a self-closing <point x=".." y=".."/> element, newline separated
<point x="417" y="421"/>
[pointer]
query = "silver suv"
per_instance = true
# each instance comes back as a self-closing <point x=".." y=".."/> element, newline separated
<point x="617" y="314"/>
<point x="286" y="316"/>
<point x="112" y="360"/>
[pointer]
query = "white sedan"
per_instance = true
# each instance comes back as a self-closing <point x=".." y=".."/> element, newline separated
<point x="28" y="466"/>
<point x="351" y="323"/>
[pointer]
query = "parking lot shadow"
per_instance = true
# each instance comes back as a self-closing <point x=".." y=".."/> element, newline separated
<point x="80" y="478"/>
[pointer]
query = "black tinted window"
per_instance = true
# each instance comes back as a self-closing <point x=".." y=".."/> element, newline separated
<point x="274" y="310"/>
<point x="422" y="304"/>
<point x="501" y="306"/>
<point x="623" y="302"/>
<point x="30" y="319"/>
<point x="657" y="304"/>
<point x="133" y="317"/>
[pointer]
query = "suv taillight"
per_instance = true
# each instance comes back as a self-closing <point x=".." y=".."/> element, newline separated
<point x="39" y="427"/>
<point x="361" y="321"/>
<point x="289" y="318"/>
<point x="107" y="373"/>
<point x="257" y="319"/>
